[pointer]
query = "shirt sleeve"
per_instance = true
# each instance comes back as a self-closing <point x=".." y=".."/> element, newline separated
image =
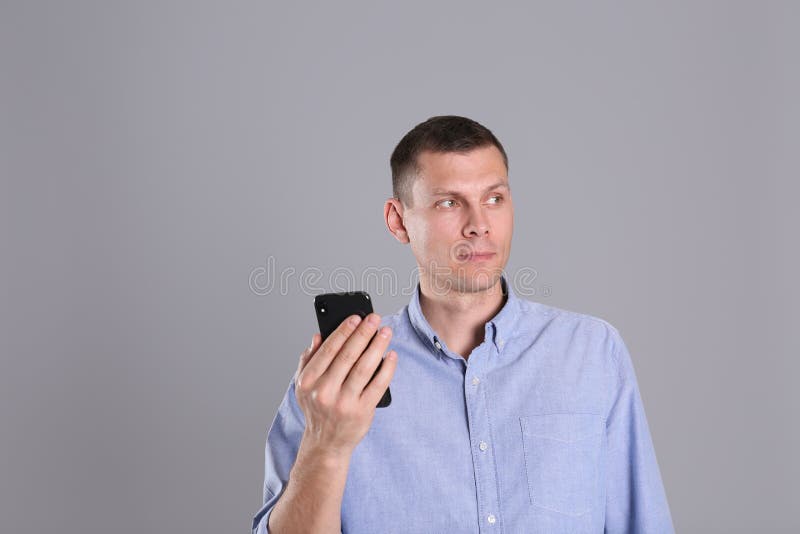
<point x="283" y="442"/>
<point x="636" y="502"/>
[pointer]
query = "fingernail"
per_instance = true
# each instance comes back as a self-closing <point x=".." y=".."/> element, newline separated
<point x="354" y="320"/>
<point x="385" y="331"/>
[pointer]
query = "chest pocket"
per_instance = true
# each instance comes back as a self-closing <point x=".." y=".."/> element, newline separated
<point x="563" y="454"/>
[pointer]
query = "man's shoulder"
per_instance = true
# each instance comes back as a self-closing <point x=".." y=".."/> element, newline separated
<point x="587" y="320"/>
<point x="568" y="320"/>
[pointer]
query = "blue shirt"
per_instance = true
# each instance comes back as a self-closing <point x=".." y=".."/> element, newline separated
<point x="541" y="430"/>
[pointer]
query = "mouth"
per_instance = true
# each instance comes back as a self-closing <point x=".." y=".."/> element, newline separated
<point x="477" y="256"/>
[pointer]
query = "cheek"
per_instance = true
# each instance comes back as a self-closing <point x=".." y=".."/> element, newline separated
<point x="432" y="239"/>
<point x="419" y="236"/>
<point x="443" y="233"/>
<point x="505" y="221"/>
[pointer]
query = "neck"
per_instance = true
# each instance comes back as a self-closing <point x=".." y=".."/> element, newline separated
<point x="460" y="317"/>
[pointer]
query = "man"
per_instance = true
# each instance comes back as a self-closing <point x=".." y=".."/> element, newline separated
<point x="507" y="415"/>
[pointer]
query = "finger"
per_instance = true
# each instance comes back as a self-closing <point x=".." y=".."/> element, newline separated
<point x="364" y="369"/>
<point x="375" y="390"/>
<point x="351" y="351"/>
<point x="328" y="349"/>
<point x="307" y="353"/>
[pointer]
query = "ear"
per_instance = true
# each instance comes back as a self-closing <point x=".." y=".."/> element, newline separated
<point x="393" y="216"/>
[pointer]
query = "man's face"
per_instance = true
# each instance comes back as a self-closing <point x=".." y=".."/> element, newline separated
<point x="461" y="210"/>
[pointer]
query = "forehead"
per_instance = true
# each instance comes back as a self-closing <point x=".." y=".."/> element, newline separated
<point x="460" y="171"/>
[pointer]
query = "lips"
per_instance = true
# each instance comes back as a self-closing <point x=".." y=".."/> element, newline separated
<point x="464" y="251"/>
<point x="477" y="256"/>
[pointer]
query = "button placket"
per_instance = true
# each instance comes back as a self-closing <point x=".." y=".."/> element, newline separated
<point x="482" y="455"/>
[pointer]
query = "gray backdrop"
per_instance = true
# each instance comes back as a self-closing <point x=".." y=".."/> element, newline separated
<point x="155" y="155"/>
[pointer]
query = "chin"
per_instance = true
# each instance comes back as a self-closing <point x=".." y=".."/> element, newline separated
<point x="473" y="279"/>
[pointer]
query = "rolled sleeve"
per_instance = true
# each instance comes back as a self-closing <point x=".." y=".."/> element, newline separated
<point x="283" y="442"/>
<point x="636" y="502"/>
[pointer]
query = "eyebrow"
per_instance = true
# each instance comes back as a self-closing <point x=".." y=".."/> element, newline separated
<point x="442" y="192"/>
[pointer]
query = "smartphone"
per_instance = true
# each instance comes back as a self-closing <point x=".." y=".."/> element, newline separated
<point x="333" y="308"/>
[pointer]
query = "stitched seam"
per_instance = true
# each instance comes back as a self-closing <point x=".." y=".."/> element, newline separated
<point x="478" y="478"/>
<point x="565" y="413"/>
<point x="525" y="458"/>
<point x="540" y="436"/>
<point x="494" y="456"/>
<point x="562" y="513"/>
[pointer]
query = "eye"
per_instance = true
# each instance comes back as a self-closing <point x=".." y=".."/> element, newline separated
<point x="441" y="202"/>
<point x="498" y="197"/>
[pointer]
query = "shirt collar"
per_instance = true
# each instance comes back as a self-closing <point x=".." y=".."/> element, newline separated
<point x="499" y="329"/>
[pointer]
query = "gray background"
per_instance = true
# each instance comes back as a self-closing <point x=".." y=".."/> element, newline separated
<point x="155" y="154"/>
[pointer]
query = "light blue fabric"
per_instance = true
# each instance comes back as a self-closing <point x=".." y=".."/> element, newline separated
<point x="541" y="430"/>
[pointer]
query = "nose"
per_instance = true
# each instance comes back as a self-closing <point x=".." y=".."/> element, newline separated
<point x="477" y="224"/>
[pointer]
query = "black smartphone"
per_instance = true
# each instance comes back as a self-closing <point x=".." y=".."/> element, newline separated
<point x="333" y="308"/>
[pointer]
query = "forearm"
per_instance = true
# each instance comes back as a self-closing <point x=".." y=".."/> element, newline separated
<point x="312" y="500"/>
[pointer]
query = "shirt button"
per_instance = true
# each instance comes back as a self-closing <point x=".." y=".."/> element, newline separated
<point x="500" y="343"/>
<point x="491" y="519"/>
<point x="484" y="446"/>
<point x="475" y="381"/>
<point x="438" y="345"/>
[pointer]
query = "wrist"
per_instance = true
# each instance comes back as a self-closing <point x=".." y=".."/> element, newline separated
<point x="322" y="454"/>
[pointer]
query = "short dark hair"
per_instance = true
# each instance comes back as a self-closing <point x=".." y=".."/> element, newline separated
<point x="443" y="133"/>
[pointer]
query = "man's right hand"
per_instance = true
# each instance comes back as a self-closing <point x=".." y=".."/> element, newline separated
<point x="331" y="384"/>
